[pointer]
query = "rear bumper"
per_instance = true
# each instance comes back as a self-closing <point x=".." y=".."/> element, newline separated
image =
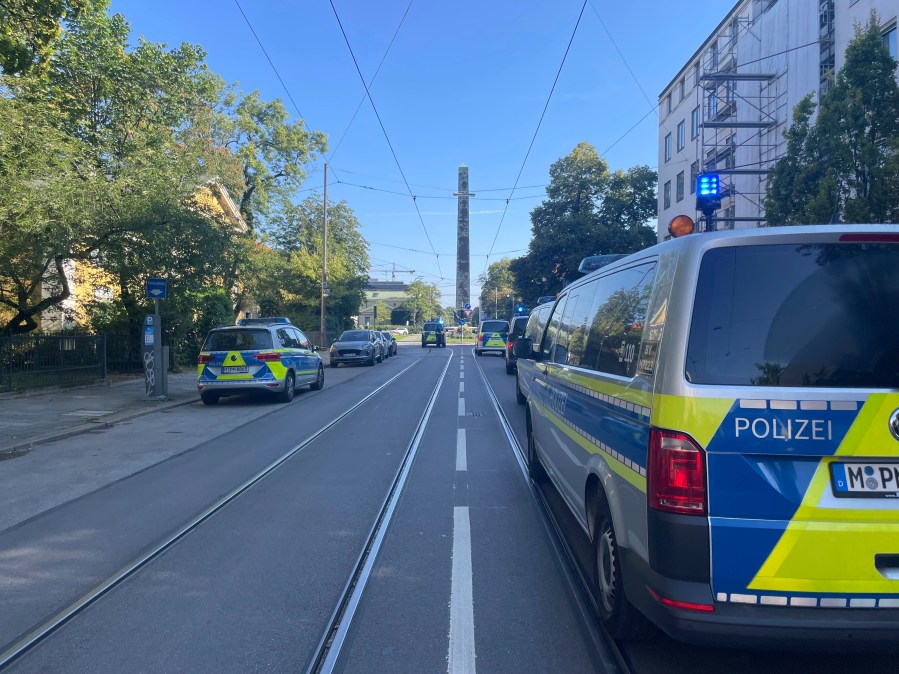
<point x="232" y="387"/>
<point x="754" y="625"/>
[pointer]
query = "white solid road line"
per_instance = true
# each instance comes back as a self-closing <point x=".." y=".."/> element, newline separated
<point x="461" y="634"/>
<point x="461" y="450"/>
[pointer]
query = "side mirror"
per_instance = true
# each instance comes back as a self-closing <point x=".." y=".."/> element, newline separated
<point x="521" y="347"/>
<point x="315" y="347"/>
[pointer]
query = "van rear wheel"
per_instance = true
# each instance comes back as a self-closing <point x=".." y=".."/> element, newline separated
<point x="616" y="613"/>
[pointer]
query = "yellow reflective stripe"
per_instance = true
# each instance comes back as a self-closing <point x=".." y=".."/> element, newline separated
<point x="828" y="548"/>
<point x="700" y="417"/>
<point x="616" y="466"/>
<point x="869" y="434"/>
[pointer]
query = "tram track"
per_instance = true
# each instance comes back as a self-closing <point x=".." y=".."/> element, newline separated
<point x="577" y="582"/>
<point x="21" y="645"/>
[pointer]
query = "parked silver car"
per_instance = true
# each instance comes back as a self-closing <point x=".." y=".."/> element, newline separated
<point x="357" y="346"/>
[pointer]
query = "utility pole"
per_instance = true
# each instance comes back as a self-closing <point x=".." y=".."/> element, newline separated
<point x="325" y="293"/>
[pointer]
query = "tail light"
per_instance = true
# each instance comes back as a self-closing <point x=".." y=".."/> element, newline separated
<point x="676" y="476"/>
<point x="267" y="357"/>
<point x="204" y="358"/>
<point x="510" y="346"/>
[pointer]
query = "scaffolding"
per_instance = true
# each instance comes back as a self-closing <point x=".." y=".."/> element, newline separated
<point x="739" y="117"/>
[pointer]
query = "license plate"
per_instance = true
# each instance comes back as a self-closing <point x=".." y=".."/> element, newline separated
<point x="865" y="480"/>
<point x="235" y="369"/>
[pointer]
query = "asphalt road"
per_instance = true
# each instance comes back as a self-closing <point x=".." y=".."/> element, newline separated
<point x="252" y="587"/>
<point x="468" y="575"/>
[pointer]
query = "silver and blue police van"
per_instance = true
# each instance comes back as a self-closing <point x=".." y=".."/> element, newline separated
<point x="720" y="413"/>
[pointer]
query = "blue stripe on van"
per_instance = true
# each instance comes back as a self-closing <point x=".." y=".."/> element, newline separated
<point x="625" y="432"/>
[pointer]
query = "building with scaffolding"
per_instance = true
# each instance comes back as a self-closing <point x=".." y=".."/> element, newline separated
<point x="727" y="108"/>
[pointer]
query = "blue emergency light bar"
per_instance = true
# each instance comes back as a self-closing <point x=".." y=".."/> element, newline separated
<point x="708" y="186"/>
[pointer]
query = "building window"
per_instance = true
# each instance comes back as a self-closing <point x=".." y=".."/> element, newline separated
<point x="695" y="74"/>
<point x="679" y="188"/>
<point x="681" y="90"/>
<point x="668" y="147"/>
<point x="694" y="123"/>
<point x="713" y="105"/>
<point x="667" y="194"/>
<point x="681" y="135"/>
<point x="694" y="173"/>
<point x="668" y="104"/>
<point x="889" y="39"/>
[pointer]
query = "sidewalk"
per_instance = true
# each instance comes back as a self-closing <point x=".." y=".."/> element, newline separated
<point x="35" y="417"/>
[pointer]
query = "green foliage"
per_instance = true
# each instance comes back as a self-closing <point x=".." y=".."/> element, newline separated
<point x="42" y="209"/>
<point x="423" y="301"/>
<point x="588" y="211"/>
<point x="284" y="276"/>
<point x="497" y="294"/>
<point x="28" y="29"/>
<point x="845" y="166"/>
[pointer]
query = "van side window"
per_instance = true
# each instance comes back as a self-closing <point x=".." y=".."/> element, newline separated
<point x="574" y="326"/>
<point x="549" y="337"/>
<point x="618" y="316"/>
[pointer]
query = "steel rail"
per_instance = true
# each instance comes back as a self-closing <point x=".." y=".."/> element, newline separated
<point x="578" y="584"/>
<point x="327" y="654"/>
<point x="18" y="647"/>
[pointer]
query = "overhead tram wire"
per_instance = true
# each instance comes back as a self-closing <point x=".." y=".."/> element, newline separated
<point x="270" y="62"/>
<point x="536" y="131"/>
<point x="373" y="77"/>
<point x="386" y="136"/>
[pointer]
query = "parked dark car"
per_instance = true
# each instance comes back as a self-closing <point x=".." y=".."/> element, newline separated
<point x="390" y="342"/>
<point x="516" y="330"/>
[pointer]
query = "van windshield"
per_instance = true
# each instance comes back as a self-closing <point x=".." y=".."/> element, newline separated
<point x="495" y="326"/>
<point x="820" y="315"/>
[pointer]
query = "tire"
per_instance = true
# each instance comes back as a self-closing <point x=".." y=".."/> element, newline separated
<point x="519" y="396"/>
<point x="334" y="364"/>
<point x="319" y="382"/>
<point x="617" y="614"/>
<point x="510" y="369"/>
<point x="290" y="385"/>
<point x="380" y="357"/>
<point x="477" y="352"/>
<point x="371" y="361"/>
<point x="209" y="398"/>
<point x="535" y="469"/>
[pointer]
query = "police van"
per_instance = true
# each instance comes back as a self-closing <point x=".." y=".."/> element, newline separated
<point x="720" y="413"/>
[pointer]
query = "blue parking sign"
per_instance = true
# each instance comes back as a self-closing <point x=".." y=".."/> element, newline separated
<point x="156" y="288"/>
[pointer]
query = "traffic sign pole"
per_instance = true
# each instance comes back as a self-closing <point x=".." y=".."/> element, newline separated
<point x="153" y="353"/>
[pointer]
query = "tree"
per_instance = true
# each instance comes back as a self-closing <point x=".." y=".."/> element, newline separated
<point x="496" y="289"/>
<point x="28" y="29"/>
<point x="43" y="203"/>
<point x="423" y="301"/>
<point x="845" y="166"/>
<point x="588" y="211"/>
<point x="285" y="274"/>
<point x="273" y="151"/>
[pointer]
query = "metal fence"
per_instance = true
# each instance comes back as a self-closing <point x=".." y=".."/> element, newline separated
<point x="33" y="361"/>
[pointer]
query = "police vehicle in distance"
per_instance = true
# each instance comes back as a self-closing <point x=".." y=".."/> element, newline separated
<point x="433" y="334"/>
<point x="720" y="413"/>
<point x="257" y="354"/>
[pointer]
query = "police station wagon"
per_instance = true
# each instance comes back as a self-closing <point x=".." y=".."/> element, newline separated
<point x="259" y="354"/>
<point x="720" y="413"/>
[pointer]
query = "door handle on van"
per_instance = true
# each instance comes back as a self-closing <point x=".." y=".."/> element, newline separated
<point x="888" y="565"/>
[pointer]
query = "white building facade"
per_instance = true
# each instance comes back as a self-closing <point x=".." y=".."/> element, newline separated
<point x="726" y="110"/>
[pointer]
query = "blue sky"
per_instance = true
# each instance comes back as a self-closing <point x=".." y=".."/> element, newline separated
<point x="465" y="82"/>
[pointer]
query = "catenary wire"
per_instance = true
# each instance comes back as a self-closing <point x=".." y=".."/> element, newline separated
<point x="536" y="131"/>
<point x="386" y="136"/>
